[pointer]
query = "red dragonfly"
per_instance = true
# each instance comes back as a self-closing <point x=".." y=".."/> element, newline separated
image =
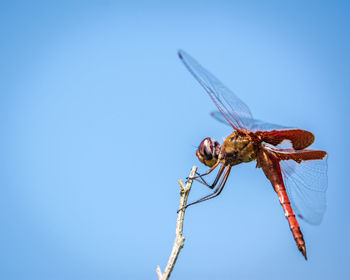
<point x="298" y="175"/>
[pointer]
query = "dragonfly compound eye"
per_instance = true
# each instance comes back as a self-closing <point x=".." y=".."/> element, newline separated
<point x="208" y="151"/>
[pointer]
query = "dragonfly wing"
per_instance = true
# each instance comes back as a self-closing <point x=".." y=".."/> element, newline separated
<point x="251" y="124"/>
<point x="306" y="185"/>
<point x="234" y="110"/>
<point x="305" y="177"/>
<point x="299" y="138"/>
<point x="277" y="135"/>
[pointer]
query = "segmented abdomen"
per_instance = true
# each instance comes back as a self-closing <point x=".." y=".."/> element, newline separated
<point x="271" y="167"/>
<point x="289" y="213"/>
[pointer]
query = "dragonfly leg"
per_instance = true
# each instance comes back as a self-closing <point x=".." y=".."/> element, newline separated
<point x="199" y="178"/>
<point x="212" y="186"/>
<point x="206" y="173"/>
<point x="217" y="191"/>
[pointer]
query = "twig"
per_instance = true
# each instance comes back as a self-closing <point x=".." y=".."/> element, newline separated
<point x="179" y="238"/>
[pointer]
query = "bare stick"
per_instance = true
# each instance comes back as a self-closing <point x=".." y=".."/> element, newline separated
<point x="179" y="238"/>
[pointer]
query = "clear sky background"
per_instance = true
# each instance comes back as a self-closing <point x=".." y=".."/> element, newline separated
<point x="99" y="119"/>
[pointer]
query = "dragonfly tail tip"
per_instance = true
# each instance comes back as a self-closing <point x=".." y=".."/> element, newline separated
<point x="303" y="251"/>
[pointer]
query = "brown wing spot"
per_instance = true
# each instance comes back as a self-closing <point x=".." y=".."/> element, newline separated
<point x="300" y="138"/>
<point x="300" y="155"/>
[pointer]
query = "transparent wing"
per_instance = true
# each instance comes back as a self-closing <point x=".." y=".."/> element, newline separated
<point x="306" y="185"/>
<point x="280" y="136"/>
<point x="251" y="124"/>
<point x="234" y="110"/>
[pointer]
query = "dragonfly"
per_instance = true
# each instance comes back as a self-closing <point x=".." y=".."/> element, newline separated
<point x="297" y="174"/>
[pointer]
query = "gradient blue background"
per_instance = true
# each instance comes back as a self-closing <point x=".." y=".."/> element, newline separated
<point x="99" y="119"/>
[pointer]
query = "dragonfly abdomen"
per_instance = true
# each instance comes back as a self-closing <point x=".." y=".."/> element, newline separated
<point x="289" y="213"/>
<point x="271" y="167"/>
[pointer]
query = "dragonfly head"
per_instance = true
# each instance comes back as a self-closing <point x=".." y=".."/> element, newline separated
<point x="208" y="151"/>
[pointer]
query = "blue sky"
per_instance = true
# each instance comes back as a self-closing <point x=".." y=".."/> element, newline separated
<point x="100" y="119"/>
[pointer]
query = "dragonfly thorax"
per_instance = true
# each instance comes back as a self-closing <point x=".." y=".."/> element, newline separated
<point x="238" y="148"/>
<point x="208" y="151"/>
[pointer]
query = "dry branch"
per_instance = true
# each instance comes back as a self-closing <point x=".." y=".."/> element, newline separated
<point x="179" y="238"/>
